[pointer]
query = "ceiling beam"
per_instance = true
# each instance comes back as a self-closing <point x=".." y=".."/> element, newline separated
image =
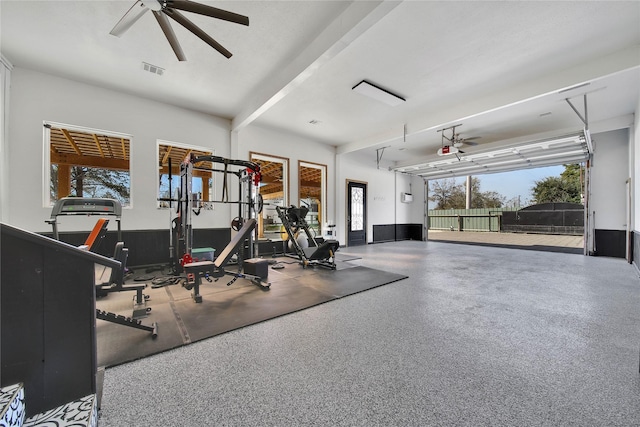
<point x="313" y="184"/>
<point x="71" y="142"/>
<point x="90" y="161"/>
<point x="176" y="171"/>
<point x="269" y="179"/>
<point x="123" y="143"/>
<point x="97" y="141"/>
<point x="353" y="22"/>
<point x="166" y="155"/>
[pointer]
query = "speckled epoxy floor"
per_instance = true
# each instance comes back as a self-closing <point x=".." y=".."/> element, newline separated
<point x="475" y="336"/>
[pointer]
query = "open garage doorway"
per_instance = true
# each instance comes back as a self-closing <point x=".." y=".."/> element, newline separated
<point x="604" y="179"/>
<point x="539" y="209"/>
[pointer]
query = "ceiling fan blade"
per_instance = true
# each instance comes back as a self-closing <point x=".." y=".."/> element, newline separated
<point x="169" y="34"/>
<point x="471" y="143"/>
<point x="213" y="12"/>
<point x="129" y="18"/>
<point x="180" y="19"/>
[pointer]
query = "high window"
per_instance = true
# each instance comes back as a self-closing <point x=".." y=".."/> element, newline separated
<point x="274" y="189"/>
<point x="169" y="182"/>
<point x="83" y="162"/>
<point x="313" y="192"/>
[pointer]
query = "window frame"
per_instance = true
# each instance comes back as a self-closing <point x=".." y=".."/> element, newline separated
<point x="286" y="180"/>
<point x="46" y="158"/>
<point x="209" y="205"/>
<point x="323" y="190"/>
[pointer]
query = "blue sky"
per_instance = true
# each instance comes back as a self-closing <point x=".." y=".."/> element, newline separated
<point x="514" y="184"/>
<point x="517" y="183"/>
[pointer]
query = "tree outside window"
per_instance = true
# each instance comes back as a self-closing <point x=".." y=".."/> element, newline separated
<point x="568" y="187"/>
<point x="174" y="154"/>
<point x="85" y="163"/>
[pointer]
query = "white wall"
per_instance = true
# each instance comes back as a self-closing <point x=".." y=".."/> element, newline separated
<point x="609" y="173"/>
<point x="383" y="191"/>
<point x="264" y="140"/>
<point x="38" y="97"/>
<point x="5" y="79"/>
<point x="635" y="138"/>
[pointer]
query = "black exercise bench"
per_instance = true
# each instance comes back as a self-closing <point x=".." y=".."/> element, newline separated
<point x="195" y="271"/>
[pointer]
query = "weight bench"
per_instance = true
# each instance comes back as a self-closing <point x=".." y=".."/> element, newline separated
<point x="195" y="271"/>
<point x="116" y="278"/>
<point x="116" y="283"/>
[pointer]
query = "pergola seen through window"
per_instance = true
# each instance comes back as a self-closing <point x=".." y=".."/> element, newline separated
<point x="87" y="163"/>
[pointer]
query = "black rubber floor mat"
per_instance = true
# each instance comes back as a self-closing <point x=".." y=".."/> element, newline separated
<point x="182" y="321"/>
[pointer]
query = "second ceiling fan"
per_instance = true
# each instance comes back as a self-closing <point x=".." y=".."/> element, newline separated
<point x="454" y="142"/>
<point x="164" y="9"/>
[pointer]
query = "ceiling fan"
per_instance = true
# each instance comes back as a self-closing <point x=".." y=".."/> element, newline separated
<point x="171" y="8"/>
<point x="454" y="142"/>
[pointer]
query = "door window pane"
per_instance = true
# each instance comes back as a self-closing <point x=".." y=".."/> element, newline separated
<point x="357" y="209"/>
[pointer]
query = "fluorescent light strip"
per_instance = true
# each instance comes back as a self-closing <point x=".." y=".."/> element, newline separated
<point x="377" y="93"/>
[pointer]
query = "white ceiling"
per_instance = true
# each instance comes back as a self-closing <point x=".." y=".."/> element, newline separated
<point x="495" y="67"/>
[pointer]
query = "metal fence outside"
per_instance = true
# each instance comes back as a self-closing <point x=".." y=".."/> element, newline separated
<point x="481" y="219"/>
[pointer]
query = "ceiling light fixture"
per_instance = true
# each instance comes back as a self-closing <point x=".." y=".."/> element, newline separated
<point x="372" y="91"/>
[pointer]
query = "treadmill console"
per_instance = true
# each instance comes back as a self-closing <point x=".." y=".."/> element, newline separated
<point x="86" y="206"/>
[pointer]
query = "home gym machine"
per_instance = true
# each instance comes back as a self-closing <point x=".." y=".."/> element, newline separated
<point x="106" y="207"/>
<point x="293" y="221"/>
<point x="196" y="271"/>
<point x="249" y="205"/>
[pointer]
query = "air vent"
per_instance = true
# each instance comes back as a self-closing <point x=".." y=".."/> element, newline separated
<point x="153" y="68"/>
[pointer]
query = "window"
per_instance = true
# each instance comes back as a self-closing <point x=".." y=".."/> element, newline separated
<point x="86" y="163"/>
<point x="201" y="182"/>
<point x="312" y="192"/>
<point x="274" y="189"/>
